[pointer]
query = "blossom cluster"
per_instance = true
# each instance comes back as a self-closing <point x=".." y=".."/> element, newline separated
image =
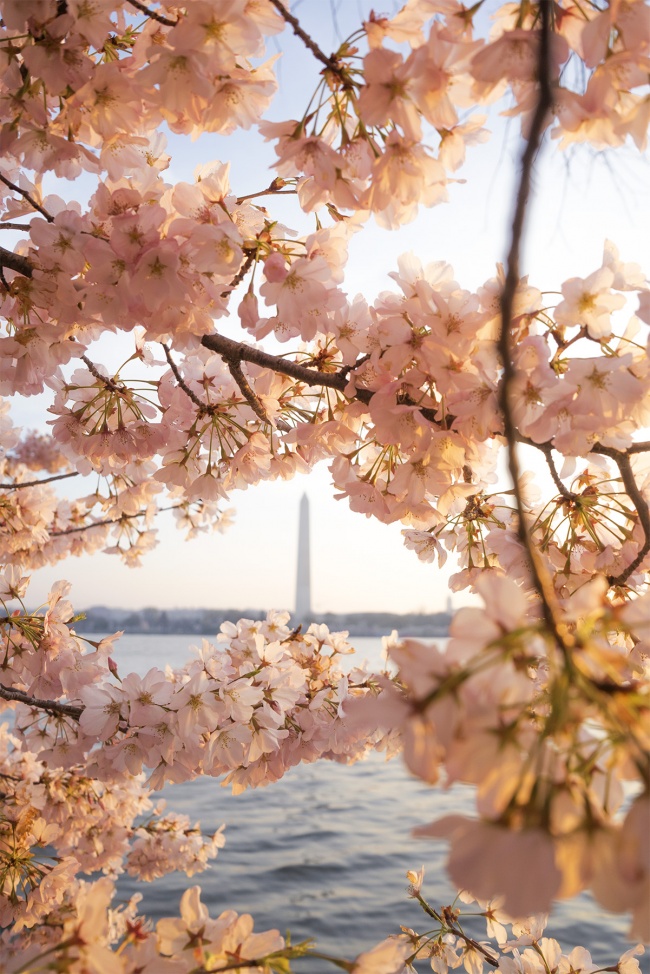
<point x="539" y="735"/>
<point x="247" y="709"/>
<point x="261" y="700"/>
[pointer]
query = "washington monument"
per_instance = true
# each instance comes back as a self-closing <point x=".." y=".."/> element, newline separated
<point x="303" y="577"/>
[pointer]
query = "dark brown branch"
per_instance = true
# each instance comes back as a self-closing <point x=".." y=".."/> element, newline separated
<point x="330" y="62"/>
<point x="447" y="922"/>
<point x="245" y="388"/>
<point x="92" y="368"/>
<point x="240" y="275"/>
<point x="111" y="520"/>
<point x="541" y="580"/>
<point x="547" y="450"/>
<point x="27" y="196"/>
<point x="37" y="483"/>
<point x="230" y="349"/>
<point x="50" y="706"/>
<point x="153" y="14"/>
<point x="238" y="351"/>
<point x="202" y="407"/>
<point x="98" y="524"/>
<point x="14" y="226"/>
<point x="15" y="262"/>
<point x="622" y="461"/>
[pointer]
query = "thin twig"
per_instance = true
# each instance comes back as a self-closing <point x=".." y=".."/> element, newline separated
<point x="37" y="483"/>
<point x="622" y="461"/>
<point x="113" y="520"/>
<point x="51" y="706"/>
<point x="14" y="226"/>
<point x="330" y="62"/>
<point x="108" y="382"/>
<point x="153" y="14"/>
<point x="240" y="275"/>
<point x="245" y="388"/>
<point x="27" y="196"/>
<point x="202" y="407"/>
<point x="98" y="524"/>
<point x="542" y="581"/>
<point x="448" y="924"/>
<point x="547" y="450"/>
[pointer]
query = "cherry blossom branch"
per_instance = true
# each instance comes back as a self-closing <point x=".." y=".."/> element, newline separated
<point x="92" y="368"/>
<point x="446" y="919"/>
<point x="311" y="377"/>
<point x="50" y="706"/>
<point x="330" y="62"/>
<point x="27" y="196"/>
<point x="14" y="226"/>
<point x="153" y="14"/>
<point x="15" y="262"/>
<point x="276" y="188"/>
<point x="102" y="524"/>
<point x="547" y="450"/>
<point x="237" y="373"/>
<point x="202" y="407"/>
<point x="240" y="275"/>
<point x="37" y="483"/>
<point x="542" y="582"/>
<point x="622" y="461"/>
<point x="114" y="520"/>
<point x="231" y="350"/>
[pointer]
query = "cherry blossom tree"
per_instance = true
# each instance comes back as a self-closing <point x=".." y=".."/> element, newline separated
<point x="541" y="699"/>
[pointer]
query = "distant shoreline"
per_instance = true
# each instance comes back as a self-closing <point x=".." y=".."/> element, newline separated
<point x="193" y="622"/>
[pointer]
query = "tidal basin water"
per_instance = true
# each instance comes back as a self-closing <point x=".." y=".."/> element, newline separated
<point x="324" y="851"/>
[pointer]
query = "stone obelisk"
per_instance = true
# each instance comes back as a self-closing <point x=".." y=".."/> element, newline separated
<point x="303" y="576"/>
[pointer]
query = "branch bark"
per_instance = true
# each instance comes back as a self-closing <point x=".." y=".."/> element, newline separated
<point x="153" y="14"/>
<point x="49" y="706"/>
<point x="15" y="262"/>
<point x="622" y="461"/>
<point x="27" y="196"/>
<point x="37" y="483"/>
<point x="541" y="579"/>
<point x="330" y="62"/>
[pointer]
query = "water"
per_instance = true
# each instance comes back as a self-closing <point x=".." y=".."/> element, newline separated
<point x="325" y="850"/>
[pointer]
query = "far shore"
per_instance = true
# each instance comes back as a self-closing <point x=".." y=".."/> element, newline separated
<point x="192" y="622"/>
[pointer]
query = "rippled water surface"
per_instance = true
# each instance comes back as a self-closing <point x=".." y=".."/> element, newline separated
<point x="324" y="851"/>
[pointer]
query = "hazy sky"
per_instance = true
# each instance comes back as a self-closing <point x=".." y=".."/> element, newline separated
<point x="582" y="198"/>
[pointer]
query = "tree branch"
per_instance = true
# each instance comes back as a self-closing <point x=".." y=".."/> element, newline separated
<point x="99" y="524"/>
<point x="239" y="351"/>
<point x="622" y="461"/>
<point x="153" y="14"/>
<point x="245" y="388"/>
<point x="330" y="62"/>
<point x="15" y="262"/>
<point x="50" y="706"/>
<point x="202" y="407"/>
<point x="547" y="450"/>
<point x="37" y="483"/>
<point x="92" y="368"/>
<point x="240" y="275"/>
<point x="27" y="196"/>
<point x="541" y="579"/>
<point x="14" y="226"/>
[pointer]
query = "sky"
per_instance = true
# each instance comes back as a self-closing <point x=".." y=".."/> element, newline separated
<point x="581" y="198"/>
